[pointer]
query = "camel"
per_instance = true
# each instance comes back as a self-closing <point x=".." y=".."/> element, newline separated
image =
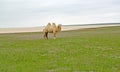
<point x="51" y="29"/>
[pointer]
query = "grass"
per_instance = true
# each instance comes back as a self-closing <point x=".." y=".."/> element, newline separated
<point x="87" y="50"/>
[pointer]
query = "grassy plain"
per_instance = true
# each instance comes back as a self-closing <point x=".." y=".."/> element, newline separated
<point x="86" y="50"/>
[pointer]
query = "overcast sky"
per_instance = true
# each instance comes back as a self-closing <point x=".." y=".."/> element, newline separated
<point x="31" y="13"/>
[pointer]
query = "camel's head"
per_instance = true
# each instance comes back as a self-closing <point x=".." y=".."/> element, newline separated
<point x="59" y="27"/>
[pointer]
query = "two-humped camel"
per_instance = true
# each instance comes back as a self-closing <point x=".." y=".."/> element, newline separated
<point x="51" y="29"/>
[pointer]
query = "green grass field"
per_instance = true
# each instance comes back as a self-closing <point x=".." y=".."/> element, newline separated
<point x="87" y="50"/>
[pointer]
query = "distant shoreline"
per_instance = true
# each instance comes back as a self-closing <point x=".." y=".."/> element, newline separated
<point x="64" y="28"/>
<point x="93" y="24"/>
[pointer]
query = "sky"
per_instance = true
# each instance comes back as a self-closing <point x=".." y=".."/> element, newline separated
<point x="32" y="13"/>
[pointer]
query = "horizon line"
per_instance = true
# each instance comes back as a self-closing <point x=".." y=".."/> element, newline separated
<point x="81" y="24"/>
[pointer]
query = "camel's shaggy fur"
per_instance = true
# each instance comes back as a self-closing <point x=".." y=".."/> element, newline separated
<point x="51" y="29"/>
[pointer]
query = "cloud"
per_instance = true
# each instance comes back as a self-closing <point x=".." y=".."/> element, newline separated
<point x="37" y="12"/>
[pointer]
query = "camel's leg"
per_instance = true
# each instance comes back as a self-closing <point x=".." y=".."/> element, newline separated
<point x="54" y="35"/>
<point x="47" y="35"/>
